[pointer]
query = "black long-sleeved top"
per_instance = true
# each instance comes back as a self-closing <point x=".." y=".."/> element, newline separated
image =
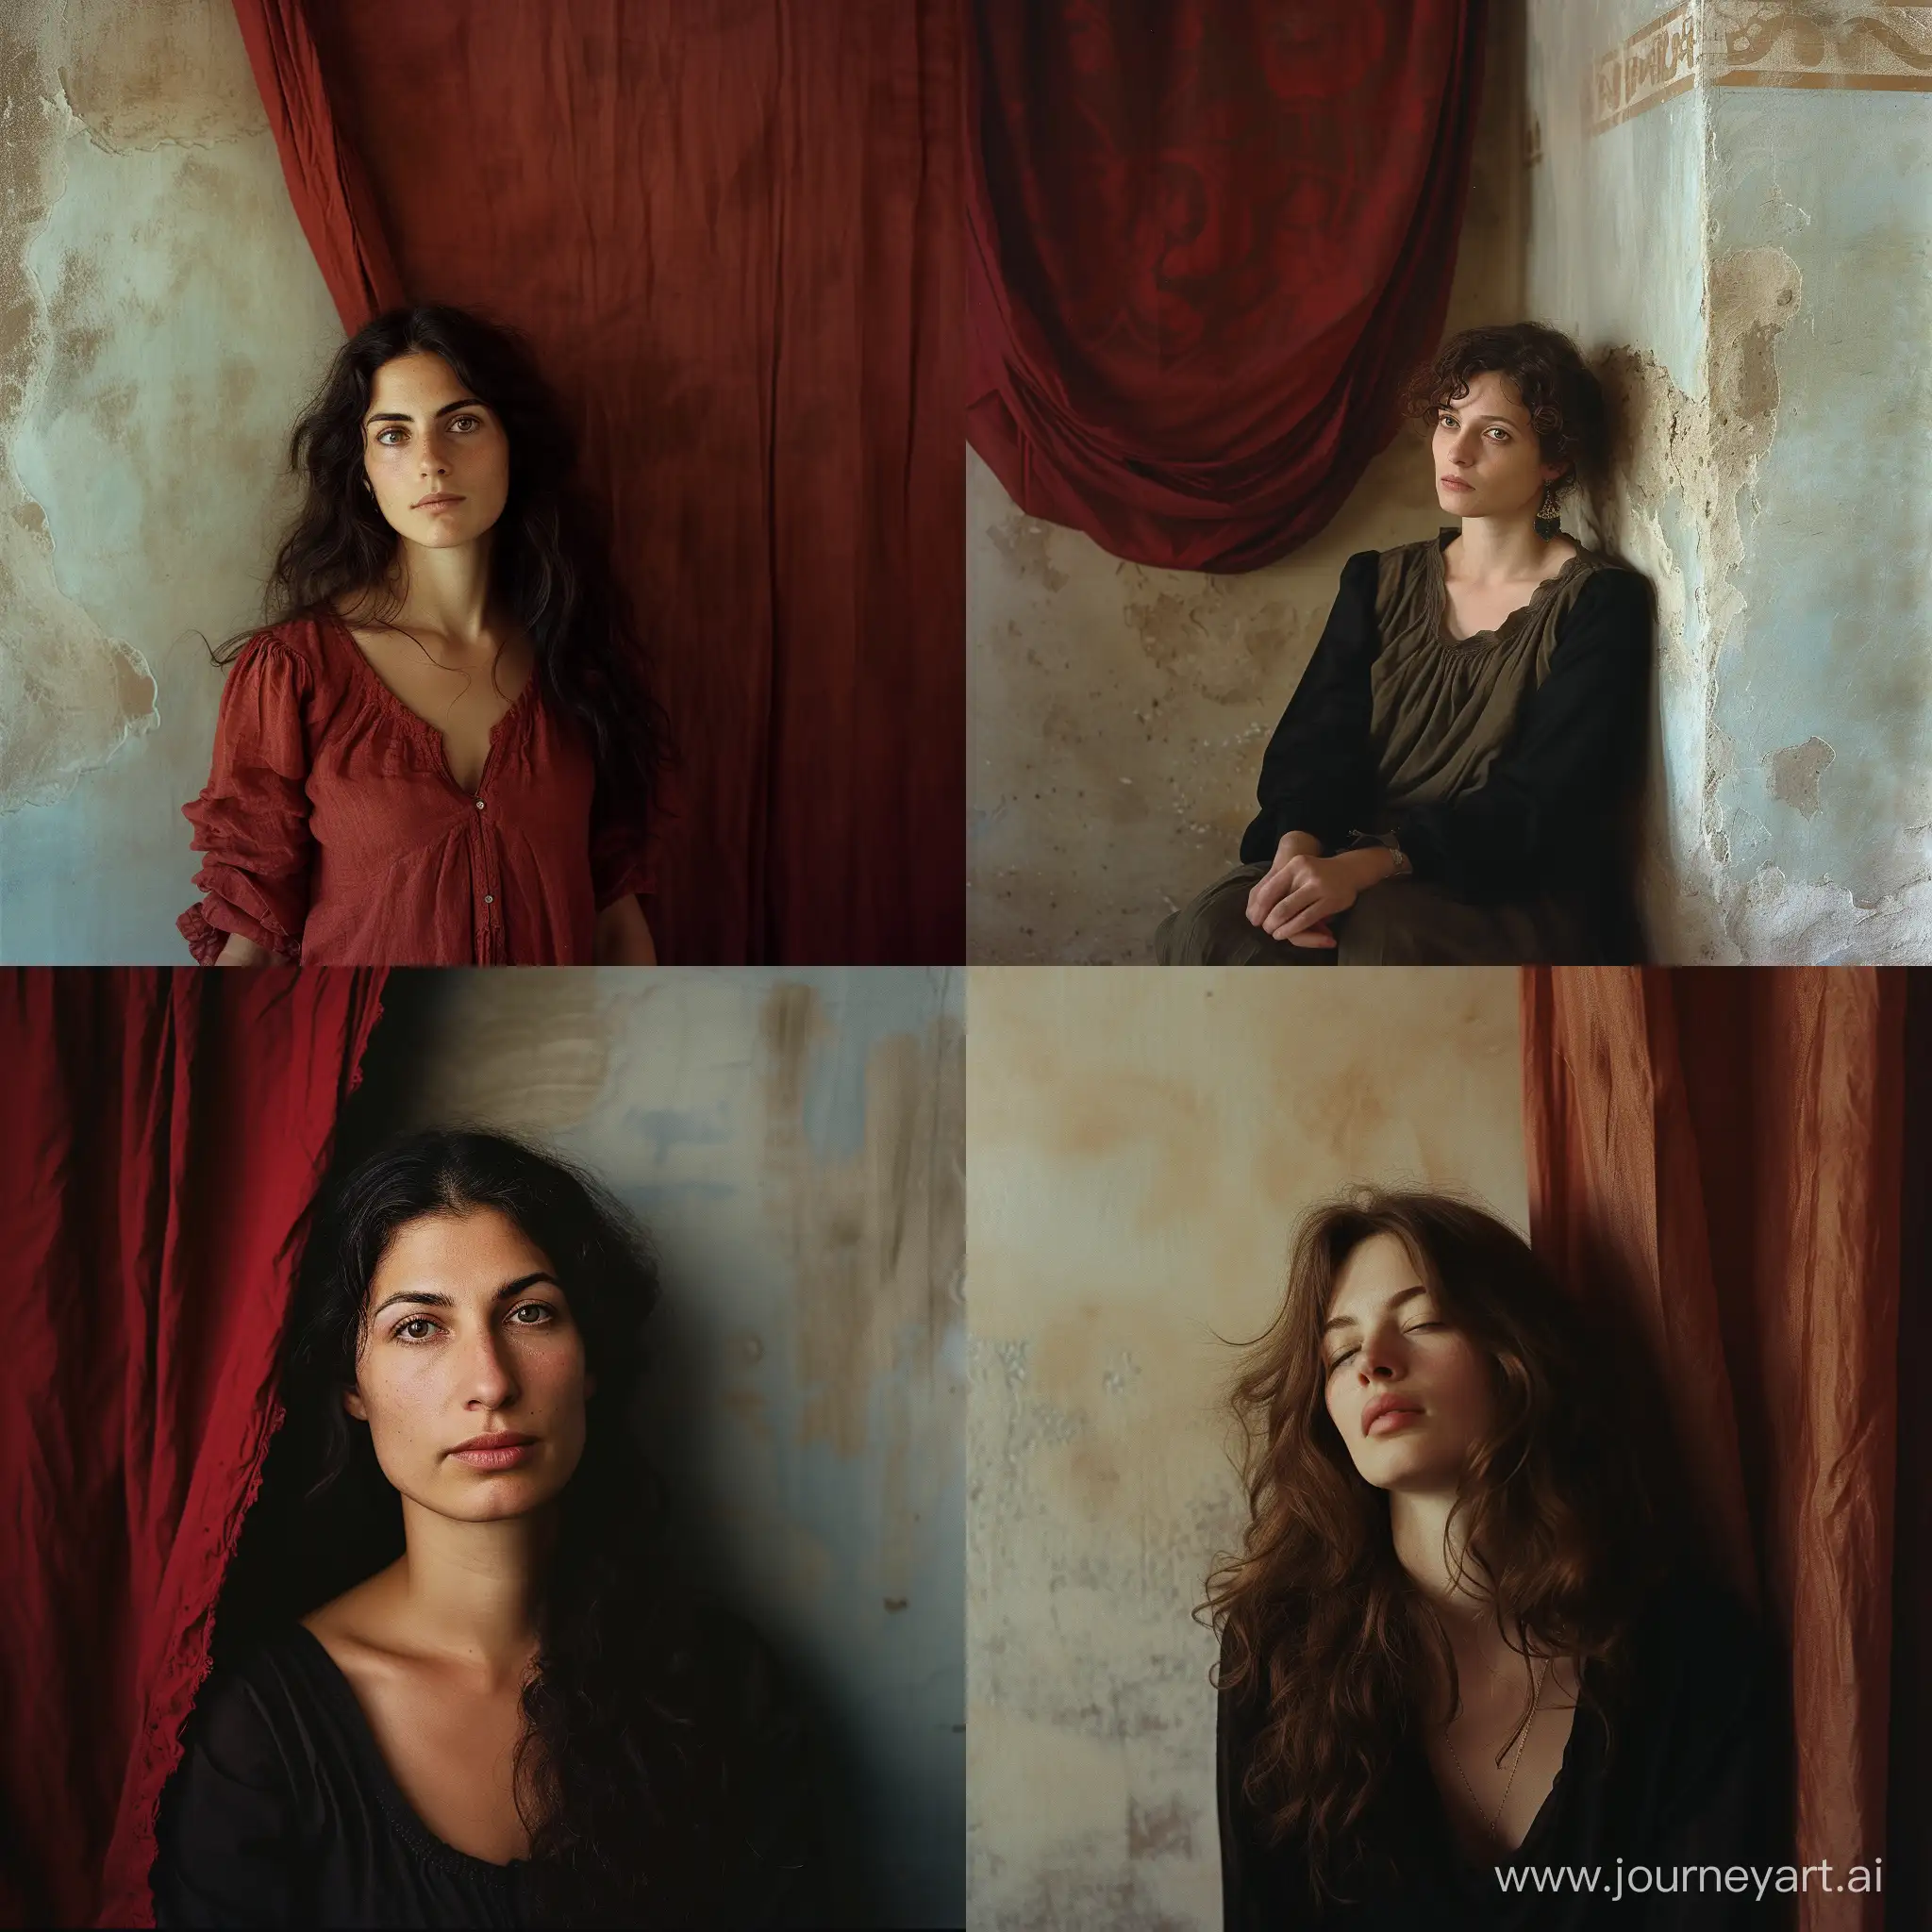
<point x="1542" y="821"/>
<point x="1698" y="1777"/>
<point x="283" y="1812"/>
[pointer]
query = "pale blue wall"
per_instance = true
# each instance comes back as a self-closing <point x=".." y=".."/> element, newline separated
<point x="805" y="1403"/>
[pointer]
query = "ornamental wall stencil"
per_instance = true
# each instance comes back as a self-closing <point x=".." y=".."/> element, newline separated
<point x="1762" y="44"/>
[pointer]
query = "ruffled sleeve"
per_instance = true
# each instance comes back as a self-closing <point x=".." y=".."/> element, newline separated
<point x="624" y="840"/>
<point x="252" y="818"/>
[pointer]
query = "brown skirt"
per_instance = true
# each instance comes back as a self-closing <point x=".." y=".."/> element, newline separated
<point x="1399" y="922"/>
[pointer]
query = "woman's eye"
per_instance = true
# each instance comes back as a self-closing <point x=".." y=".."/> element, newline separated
<point x="417" y="1329"/>
<point x="542" y="1310"/>
<point x="388" y="437"/>
<point x="1335" y="1361"/>
<point x="1421" y="1327"/>
<point x="466" y="422"/>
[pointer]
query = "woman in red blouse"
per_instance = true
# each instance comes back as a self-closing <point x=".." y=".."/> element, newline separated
<point x="442" y="748"/>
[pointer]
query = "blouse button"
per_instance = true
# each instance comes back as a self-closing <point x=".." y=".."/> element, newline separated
<point x="479" y="805"/>
<point x="490" y="898"/>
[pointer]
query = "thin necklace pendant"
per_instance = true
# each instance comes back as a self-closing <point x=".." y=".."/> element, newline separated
<point x="1522" y="1745"/>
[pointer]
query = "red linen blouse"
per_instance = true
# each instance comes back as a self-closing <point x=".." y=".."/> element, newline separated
<point x="335" y="835"/>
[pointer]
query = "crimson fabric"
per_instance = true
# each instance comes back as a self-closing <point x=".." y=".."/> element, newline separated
<point x="1207" y="242"/>
<point x="1720" y="1153"/>
<point x="163" y="1134"/>
<point x="731" y="228"/>
<point x="334" y="834"/>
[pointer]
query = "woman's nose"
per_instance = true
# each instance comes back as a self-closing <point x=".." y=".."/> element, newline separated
<point x="488" y="1371"/>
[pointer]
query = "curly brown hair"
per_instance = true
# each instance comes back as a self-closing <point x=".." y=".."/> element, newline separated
<point x="1564" y="401"/>
<point x="1317" y="1618"/>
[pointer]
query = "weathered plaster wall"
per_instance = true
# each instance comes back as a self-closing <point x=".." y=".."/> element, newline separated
<point x="1733" y="212"/>
<point x="1139" y="1144"/>
<point x="1117" y="714"/>
<point x="160" y="321"/>
<point x="795" y="1144"/>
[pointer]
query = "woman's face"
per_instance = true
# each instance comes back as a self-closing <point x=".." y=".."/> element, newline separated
<point x="471" y="1375"/>
<point x="1410" y="1395"/>
<point x="436" y="459"/>
<point x="1488" y="461"/>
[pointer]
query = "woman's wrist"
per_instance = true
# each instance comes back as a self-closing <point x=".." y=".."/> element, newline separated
<point x="1367" y="865"/>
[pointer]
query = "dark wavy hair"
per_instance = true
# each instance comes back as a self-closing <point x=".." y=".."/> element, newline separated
<point x="615" y="1750"/>
<point x="550" y="558"/>
<point x="1564" y="401"/>
<point x="1318" y="1620"/>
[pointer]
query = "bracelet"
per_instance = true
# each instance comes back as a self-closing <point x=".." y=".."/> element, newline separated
<point x="1401" y="867"/>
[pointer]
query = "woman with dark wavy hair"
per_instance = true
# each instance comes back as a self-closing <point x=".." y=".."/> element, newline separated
<point x="517" y="1719"/>
<point x="1447" y="781"/>
<point x="442" y="748"/>
<point x="1455" y="1657"/>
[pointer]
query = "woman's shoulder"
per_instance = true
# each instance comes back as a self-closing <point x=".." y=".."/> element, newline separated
<point x="1601" y="582"/>
<point x="252" y="1705"/>
<point x="298" y="649"/>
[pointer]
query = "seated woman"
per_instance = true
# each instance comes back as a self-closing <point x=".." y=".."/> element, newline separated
<point x="1444" y="784"/>
<point x="1449" y="1649"/>
<point x="519" y="1720"/>
<point x="441" y="749"/>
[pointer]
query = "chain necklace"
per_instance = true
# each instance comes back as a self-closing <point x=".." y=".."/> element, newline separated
<point x="1521" y="1744"/>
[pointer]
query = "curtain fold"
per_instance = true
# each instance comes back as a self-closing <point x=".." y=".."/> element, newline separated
<point x="162" y="1136"/>
<point x="1207" y="242"/>
<point x="731" y="229"/>
<point x="1720" y="1155"/>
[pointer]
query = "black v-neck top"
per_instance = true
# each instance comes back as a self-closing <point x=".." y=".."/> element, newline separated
<point x="1698" y="1777"/>
<point x="283" y="1813"/>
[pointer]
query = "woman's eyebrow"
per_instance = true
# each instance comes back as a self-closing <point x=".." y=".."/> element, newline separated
<point x="1395" y="1301"/>
<point x="424" y="1298"/>
<point x="404" y="416"/>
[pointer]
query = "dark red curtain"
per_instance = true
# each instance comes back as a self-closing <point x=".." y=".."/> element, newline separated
<point x="1721" y="1154"/>
<point x="732" y="229"/>
<point x="161" y="1134"/>
<point x="1207" y="242"/>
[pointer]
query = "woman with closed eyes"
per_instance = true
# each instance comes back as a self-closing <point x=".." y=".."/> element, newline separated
<point x="1447" y="782"/>
<point x="518" y="1718"/>
<point x="442" y="748"/>
<point x="1453" y="1655"/>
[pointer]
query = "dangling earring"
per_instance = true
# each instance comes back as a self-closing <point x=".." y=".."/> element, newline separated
<point x="1549" y="515"/>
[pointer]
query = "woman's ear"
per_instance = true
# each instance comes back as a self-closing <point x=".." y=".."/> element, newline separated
<point x="352" y="1401"/>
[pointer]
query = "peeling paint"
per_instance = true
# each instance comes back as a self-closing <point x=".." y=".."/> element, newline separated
<point x="1747" y="294"/>
<point x="1794" y="775"/>
<point x="161" y="320"/>
<point x="69" y="694"/>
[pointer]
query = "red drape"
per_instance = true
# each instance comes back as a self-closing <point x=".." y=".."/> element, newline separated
<point x="1206" y="241"/>
<point x="160" y="1137"/>
<point x="731" y="227"/>
<point x="1721" y="1152"/>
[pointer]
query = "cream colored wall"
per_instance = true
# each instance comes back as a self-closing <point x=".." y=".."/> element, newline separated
<point x="1139" y="1145"/>
<point x="162" y="318"/>
<point x="1117" y="714"/>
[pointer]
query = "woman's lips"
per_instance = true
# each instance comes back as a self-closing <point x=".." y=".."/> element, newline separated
<point x="1453" y="483"/>
<point x="439" y="503"/>
<point x="1391" y="1420"/>
<point x="498" y="1452"/>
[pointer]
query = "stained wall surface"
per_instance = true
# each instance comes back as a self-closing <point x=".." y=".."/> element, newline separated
<point x="1732" y="209"/>
<point x="795" y="1143"/>
<point x="1139" y="1144"/>
<point x="160" y="321"/>
<point x="1117" y="714"/>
